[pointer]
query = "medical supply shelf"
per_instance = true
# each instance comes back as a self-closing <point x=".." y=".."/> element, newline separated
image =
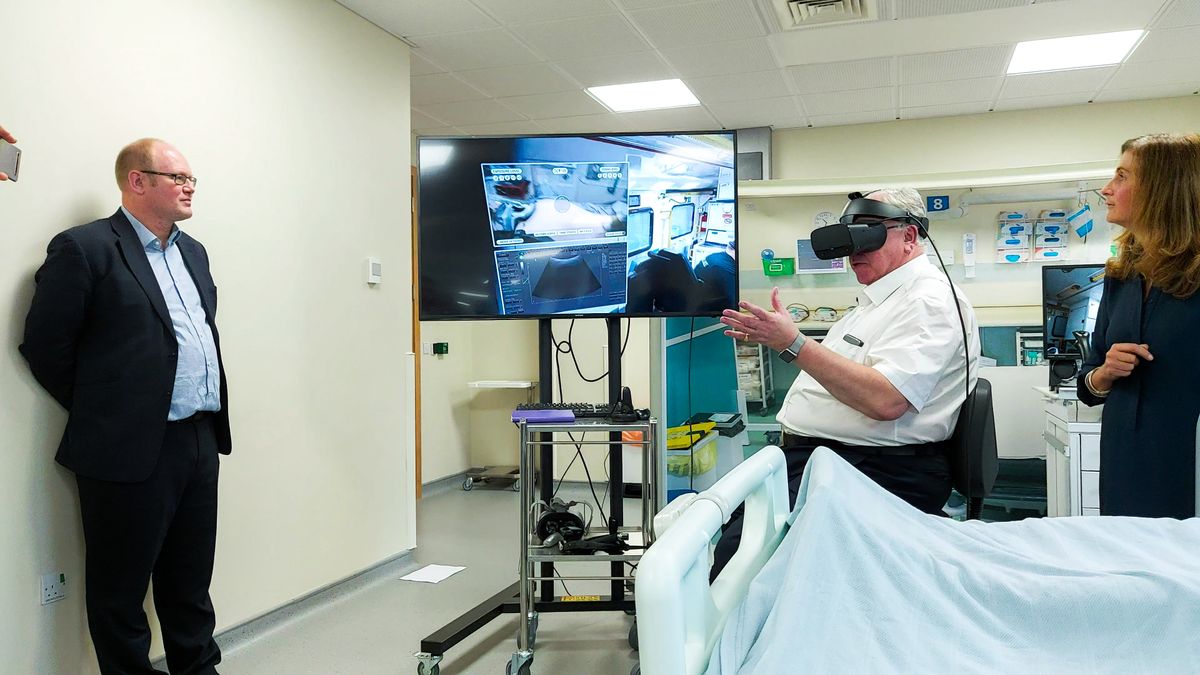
<point x="533" y="439"/>
<point x="754" y="374"/>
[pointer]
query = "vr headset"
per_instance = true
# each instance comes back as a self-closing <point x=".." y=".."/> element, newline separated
<point x="862" y="228"/>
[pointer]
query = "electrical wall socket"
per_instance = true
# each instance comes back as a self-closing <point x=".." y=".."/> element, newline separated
<point x="54" y="587"/>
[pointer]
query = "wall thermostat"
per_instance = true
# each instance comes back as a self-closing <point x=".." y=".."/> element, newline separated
<point x="374" y="271"/>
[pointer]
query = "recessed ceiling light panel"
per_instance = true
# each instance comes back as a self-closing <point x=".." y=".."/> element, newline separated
<point x="1081" y="51"/>
<point x="644" y="95"/>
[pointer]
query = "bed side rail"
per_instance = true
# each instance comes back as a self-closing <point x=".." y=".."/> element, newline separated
<point x="679" y="614"/>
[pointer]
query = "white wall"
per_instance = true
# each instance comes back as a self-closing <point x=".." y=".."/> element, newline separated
<point x="973" y="145"/>
<point x="293" y="114"/>
<point x="446" y="402"/>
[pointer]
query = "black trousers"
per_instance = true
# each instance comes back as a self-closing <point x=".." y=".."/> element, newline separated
<point x="165" y="529"/>
<point x="922" y="480"/>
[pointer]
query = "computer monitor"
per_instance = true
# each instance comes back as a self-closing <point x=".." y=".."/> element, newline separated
<point x="1070" y="300"/>
<point x="564" y="226"/>
<point x="807" y="261"/>
<point x="640" y="227"/>
<point x="683" y="219"/>
<point x="1058" y="326"/>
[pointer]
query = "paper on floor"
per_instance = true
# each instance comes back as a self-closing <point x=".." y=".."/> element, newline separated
<point x="432" y="574"/>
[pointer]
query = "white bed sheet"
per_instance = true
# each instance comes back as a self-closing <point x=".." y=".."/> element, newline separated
<point x="864" y="583"/>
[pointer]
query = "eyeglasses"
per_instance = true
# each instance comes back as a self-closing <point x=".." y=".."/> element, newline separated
<point x="179" y="178"/>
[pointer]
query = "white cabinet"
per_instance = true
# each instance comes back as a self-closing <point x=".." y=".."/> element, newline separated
<point x="754" y="374"/>
<point x="1072" y="435"/>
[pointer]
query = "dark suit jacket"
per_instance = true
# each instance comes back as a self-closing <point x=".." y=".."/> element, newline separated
<point x="98" y="337"/>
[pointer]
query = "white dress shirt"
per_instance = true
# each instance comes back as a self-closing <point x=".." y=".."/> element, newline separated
<point x="909" y="332"/>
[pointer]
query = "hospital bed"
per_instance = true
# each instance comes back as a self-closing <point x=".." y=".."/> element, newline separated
<point x="855" y="580"/>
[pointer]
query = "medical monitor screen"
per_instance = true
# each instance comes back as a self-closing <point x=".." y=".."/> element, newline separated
<point x="1070" y="300"/>
<point x="683" y="217"/>
<point x="574" y="226"/>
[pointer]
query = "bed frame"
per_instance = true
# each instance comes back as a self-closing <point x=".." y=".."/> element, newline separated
<point x="679" y="615"/>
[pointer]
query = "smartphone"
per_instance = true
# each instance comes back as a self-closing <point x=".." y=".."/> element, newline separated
<point x="10" y="159"/>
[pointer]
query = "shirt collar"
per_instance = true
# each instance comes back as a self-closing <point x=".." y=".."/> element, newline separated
<point x="149" y="241"/>
<point x="883" y="287"/>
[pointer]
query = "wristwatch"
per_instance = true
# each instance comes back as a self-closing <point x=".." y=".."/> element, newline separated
<point x="789" y="354"/>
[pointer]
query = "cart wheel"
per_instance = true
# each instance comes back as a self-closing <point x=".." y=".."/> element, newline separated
<point x="636" y="670"/>
<point x="516" y="486"/>
<point x="533" y="626"/>
<point x="468" y="483"/>
<point x="633" y="639"/>
<point x="431" y="670"/>
<point x="523" y="670"/>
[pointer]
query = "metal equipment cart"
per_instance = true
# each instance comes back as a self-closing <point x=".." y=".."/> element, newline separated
<point x="537" y="563"/>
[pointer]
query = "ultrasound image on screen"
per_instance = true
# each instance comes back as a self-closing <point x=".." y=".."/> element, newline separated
<point x="577" y="226"/>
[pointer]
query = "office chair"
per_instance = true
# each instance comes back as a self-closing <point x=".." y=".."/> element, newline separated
<point x="974" y="461"/>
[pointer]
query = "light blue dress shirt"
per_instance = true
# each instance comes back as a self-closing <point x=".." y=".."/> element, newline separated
<point x="197" y="377"/>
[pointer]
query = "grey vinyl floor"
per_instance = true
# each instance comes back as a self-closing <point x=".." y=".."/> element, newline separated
<point x="376" y="628"/>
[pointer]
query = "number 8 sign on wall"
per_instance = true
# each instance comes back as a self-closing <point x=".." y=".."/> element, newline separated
<point x="937" y="203"/>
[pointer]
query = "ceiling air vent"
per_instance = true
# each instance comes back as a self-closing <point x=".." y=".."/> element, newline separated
<point x="795" y="14"/>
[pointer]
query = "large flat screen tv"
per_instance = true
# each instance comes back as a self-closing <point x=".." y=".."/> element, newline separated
<point x="576" y="226"/>
<point x="1070" y="299"/>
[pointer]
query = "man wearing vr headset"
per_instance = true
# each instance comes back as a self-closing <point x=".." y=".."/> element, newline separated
<point x="884" y="388"/>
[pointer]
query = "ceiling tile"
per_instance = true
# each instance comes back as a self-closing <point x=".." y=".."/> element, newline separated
<point x="534" y="11"/>
<point x="924" y="111"/>
<point x="480" y="49"/>
<point x="1043" y="84"/>
<point x="912" y="9"/>
<point x="844" y="102"/>
<point x="561" y="104"/>
<point x="572" y="38"/>
<point x="584" y="124"/>
<point x="420" y="17"/>
<point x="418" y="65"/>
<point x="842" y="75"/>
<point x="721" y="58"/>
<point x="634" y="5"/>
<point x="1180" y="71"/>
<point x="530" y="78"/>
<point x="485" y="111"/>
<point x="441" y="88"/>
<point x="617" y="69"/>
<point x="1046" y="101"/>
<point x="851" y="118"/>
<point x="1160" y="45"/>
<point x="522" y="128"/>
<point x="694" y="118"/>
<point x="1183" y="13"/>
<point x="960" y="64"/>
<point x="1142" y="93"/>
<point x="738" y="87"/>
<point x="422" y="122"/>
<point x="699" y="23"/>
<point x="781" y="113"/>
<point x="945" y="93"/>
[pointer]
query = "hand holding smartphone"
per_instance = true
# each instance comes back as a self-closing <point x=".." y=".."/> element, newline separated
<point x="10" y="156"/>
<point x="10" y="159"/>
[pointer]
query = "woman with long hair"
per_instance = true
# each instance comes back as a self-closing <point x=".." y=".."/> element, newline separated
<point x="1145" y="362"/>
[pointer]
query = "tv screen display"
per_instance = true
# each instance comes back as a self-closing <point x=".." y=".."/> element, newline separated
<point x="1070" y="300"/>
<point x="574" y="226"/>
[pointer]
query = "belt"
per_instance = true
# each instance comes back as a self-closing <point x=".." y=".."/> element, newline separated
<point x="914" y="450"/>
<point x="199" y="416"/>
